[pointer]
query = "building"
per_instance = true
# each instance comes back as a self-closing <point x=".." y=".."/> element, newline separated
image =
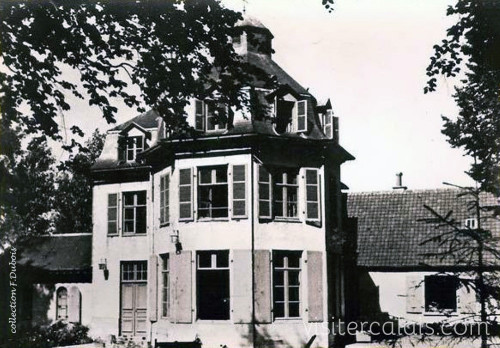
<point x="407" y="274"/>
<point x="234" y="236"/>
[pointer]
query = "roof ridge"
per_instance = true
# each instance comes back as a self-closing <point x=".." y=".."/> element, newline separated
<point x="393" y="191"/>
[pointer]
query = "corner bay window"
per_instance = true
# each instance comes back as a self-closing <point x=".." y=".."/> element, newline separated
<point x="212" y="282"/>
<point x="134" y="212"/>
<point x="212" y="192"/>
<point x="286" y="284"/>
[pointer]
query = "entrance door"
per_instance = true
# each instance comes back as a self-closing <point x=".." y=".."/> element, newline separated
<point x="133" y="298"/>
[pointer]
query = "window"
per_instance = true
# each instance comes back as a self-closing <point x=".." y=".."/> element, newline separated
<point x="112" y="214"/>
<point x="134" y="271"/>
<point x="134" y="212"/>
<point x="312" y="195"/>
<point x="185" y="194"/>
<point x="62" y="304"/>
<point x="210" y="116"/>
<point x="164" y="199"/>
<point x="212" y="281"/>
<point x="265" y="189"/>
<point x="471" y="223"/>
<point x="134" y="146"/>
<point x="441" y="294"/>
<point x="285" y="193"/>
<point x="286" y="284"/>
<point x="212" y="192"/>
<point x="165" y="294"/>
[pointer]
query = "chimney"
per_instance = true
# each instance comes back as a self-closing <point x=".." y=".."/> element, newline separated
<point x="399" y="182"/>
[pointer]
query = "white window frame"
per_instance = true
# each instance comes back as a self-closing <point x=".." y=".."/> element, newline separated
<point x="59" y="306"/>
<point x="286" y="269"/>
<point x="134" y="206"/>
<point x="213" y="182"/>
<point x="191" y="198"/>
<point x="284" y="187"/>
<point x="132" y="146"/>
<point x="206" y="116"/>
<point x="116" y="208"/>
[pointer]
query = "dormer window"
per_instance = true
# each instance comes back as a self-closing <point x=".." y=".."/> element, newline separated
<point x="135" y="145"/>
<point x="291" y="115"/>
<point x="210" y="116"/>
<point x="471" y="223"/>
<point x="328" y="124"/>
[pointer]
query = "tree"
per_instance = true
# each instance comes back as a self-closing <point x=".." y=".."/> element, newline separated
<point x="473" y="248"/>
<point x="472" y="46"/>
<point x="27" y="193"/>
<point x="73" y="195"/>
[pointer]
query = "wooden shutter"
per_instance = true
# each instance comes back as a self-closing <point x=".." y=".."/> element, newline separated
<point x="315" y="285"/>
<point x="122" y="148"/>
<point x="239" y="205"/>
<point x="181" y="287"/>
<point x="328" y="124"/>
<point x="112" y="213"/>
<point x="301" y="115"/>
<point x="186" y="194"/>
<point x="335" y="123"/>
<point x="164" y="199"/>
<point x="242" y="286"/>
<point x="262" y="286"/>
<point x="153" y="288"/>
<point x="199" y="115"/>
<point x="74" y="305"/>
<point x="466" y="300"/>
<point x="312" y="195"/>
<point x="414" y="294"/>
<point x="265" y="193"/>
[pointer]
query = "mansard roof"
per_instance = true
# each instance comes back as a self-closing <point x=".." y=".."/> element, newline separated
<point x="146" y="120"/>
<point x="392" y="228"/>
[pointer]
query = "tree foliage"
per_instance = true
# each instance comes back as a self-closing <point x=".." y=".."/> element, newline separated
<point x="472" y="46"/>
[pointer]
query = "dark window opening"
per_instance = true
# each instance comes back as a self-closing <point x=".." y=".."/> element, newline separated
<point x="284" y="115"/>
<point x="212" y="279"/>
<point x="441" y="293"/>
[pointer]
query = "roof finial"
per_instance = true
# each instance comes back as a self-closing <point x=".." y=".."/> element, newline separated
<point x="244" y="6"/>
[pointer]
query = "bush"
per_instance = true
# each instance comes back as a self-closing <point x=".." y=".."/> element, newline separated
<point x="57" y="334"/>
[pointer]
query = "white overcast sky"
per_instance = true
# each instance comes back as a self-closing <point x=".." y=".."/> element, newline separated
<point x="369" y="57"/>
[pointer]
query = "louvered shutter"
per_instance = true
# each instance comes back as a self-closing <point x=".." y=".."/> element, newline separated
<point x="74" y="305"/>
<point x="186" y="194"/>
<point x="181" y="287"/>
<point x="262" y="276"/>
<point x="242" y="288"/>
<point x="164" y="199"/>
<point x="265" y="193"/>
<point x="199" y="115"/>
<point x="239" y="176"/>
<point x="328" y="124"/>
<point x="414" y="294"/>
<point x="312" y="195"/>
<point x="301" y="115"/>
<point x="112" y="214"/>
<point x="153" y="288"/>
<point x="315" y="285"/>
<point x="335" y="122"/>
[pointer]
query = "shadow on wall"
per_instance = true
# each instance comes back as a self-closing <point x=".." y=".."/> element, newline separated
<point x="369" y="299"/>
<point x="263" y="339"/>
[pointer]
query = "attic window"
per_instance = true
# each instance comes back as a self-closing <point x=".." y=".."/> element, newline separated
<point x="135" y="145"/>
<point x="441" y="294"/>
<point x="291" y="116"/>
<point x="210" y="116"/>
<point x="471" y="223"/>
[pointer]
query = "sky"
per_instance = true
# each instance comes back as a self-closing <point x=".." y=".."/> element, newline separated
<point x="369" y="57"/>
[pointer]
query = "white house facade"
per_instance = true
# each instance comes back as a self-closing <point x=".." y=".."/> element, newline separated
<point x="227" y="236"/>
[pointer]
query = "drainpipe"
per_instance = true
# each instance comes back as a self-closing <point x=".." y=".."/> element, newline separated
<point x="254" y="329"/>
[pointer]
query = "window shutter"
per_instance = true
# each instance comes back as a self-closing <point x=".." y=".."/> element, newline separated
<point x="414" y="294"/>
<point x="239" y="176"/>
<point x="186" y="194"/>
<point x="181" y="285"/>
<point x="112" y="213"/>
<point x="164" y="199"/>
<point x="265" y="193"/>
<point x="74" y="305"/>
<point x="301" y="115"/>
<point x="466" y="300"/>
<point x="262" y="277"/>
<point x="312" y="195"/>
<point x="122" y="148"/>
<point x="335" y="131"/>
<point x="328" y="124"/>
<point x="315" y="285"/>
<point x="199" y="115"/>
<point x="242" y="288"/>
<point x="153" y="288"/>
